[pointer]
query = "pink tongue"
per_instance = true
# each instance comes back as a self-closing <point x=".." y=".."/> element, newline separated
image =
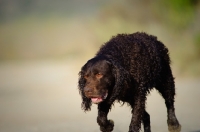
<point x="96" y="100"/>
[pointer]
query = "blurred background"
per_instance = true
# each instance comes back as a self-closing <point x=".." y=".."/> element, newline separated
<point x="44" y="43"/>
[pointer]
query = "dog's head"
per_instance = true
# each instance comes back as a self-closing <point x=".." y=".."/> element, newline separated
<point x="96" y="79"/>
<point x="100" y="80"/>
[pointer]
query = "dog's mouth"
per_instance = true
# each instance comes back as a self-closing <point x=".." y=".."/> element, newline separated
<point x="99" y="99"/>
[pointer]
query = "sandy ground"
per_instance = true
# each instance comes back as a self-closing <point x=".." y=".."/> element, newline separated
<point x="43" y="97"/>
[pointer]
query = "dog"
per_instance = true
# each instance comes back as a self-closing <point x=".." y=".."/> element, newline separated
<point x="126" y="69"/>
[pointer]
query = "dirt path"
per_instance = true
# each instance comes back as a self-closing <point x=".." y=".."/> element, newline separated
<point x="43" y="97"/>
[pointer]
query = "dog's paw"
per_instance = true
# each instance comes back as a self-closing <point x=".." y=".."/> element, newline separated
<point x="111" y="122"/>
<point x="174" y="126"/>
<point x="109" y="127"/>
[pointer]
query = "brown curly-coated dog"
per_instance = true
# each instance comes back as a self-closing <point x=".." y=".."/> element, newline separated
<point x="125" y="69"/>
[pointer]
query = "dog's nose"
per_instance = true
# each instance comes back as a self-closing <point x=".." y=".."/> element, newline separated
<point x="87" y="90"/>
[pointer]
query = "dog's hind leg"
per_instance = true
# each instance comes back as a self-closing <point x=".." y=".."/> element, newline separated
<point x="166" y="87"/>
<point x="146" y="122"/>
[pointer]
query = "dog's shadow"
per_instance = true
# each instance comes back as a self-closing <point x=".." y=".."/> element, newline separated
<point x="195" y="131"/>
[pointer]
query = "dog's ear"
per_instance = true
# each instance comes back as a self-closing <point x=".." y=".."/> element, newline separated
<point x="86" y="102"/>
<point x="122" y="78"/>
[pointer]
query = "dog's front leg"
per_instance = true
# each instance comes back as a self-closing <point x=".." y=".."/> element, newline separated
<point x="105" y="124"/>
<point x="138" y="108"/>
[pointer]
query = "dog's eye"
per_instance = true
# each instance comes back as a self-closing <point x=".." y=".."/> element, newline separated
<point x="86" y="76"/>
<point x="99" y="75"/>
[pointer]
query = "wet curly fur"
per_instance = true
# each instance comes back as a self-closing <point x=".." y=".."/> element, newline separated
<point x="126" y="68"/>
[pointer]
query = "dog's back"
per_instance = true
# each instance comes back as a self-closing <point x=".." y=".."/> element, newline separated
<point x="142" y="55"/>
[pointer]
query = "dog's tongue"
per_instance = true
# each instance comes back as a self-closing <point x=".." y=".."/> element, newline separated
<point x="96" y="100"/>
